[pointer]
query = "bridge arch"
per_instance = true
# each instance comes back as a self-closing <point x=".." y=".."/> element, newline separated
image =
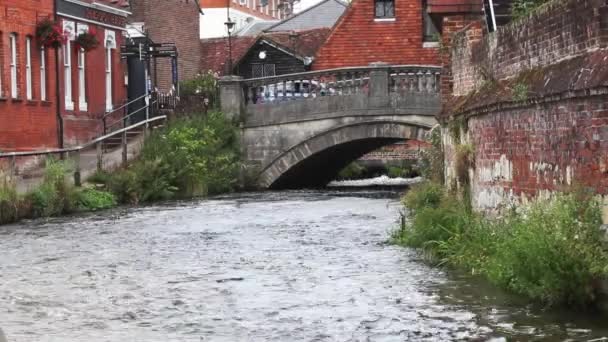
<point x="315" y="161"/>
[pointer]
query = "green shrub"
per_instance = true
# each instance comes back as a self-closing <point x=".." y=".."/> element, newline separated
<point x="54" y="196"/>
<point x="91" y="200"/>
<point x="551" y="252"/>
<point x="9" y="202"/>
<point x="427" y="194"/>
<point x="123" y="184"/>
<point x="351" y="171"/>
<point x="191" y="157"/>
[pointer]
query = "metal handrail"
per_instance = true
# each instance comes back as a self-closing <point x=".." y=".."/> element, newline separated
<point x="124" y="118"/>
<point x="123" y="106"/>
<point x="308" y="74"/>
<point x="80" y="147"/>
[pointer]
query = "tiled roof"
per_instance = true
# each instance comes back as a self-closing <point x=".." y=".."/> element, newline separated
<point x="214" y="54"/>
<point x="305" y="44"/>
<point x="254" y="28"/>
<point x="323" y="14"/>
<point x="215" y="51"/>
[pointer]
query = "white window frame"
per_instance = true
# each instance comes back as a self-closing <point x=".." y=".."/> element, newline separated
<point x="42" y="74"/>
<point x="67" y="74"/>
<point x="13" y="65"/>
<point x="108" y="58"/>
<point x="243" y="2"/>
<point x="28" y="68"/>
<point x="82" y="97"/>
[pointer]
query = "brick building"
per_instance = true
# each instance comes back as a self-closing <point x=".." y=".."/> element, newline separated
<point x="28" y="111"/>
<point x="92" y="83"/>
<point x="171" y="21"/>
<point x="396" y="32"/>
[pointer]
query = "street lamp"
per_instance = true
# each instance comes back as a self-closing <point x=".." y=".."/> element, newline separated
<point x="229" y="25"/>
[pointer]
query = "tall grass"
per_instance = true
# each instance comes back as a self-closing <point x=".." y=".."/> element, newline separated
<point x="54" y="196"/>
<point x="549" y="251"/>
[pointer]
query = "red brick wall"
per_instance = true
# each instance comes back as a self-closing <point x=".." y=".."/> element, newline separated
<point x="172" y="21"/>
<point x="562" y="30"/>
<point x="409" y="150"/>
<point x="82" y="126"/>
<point x="25" y="125"/>
<point x="527" y="152"/>
<point x="358" y="40"/>
<point x="552" y="133"/>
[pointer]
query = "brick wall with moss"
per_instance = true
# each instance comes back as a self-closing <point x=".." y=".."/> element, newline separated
<point x="530" y="106"/>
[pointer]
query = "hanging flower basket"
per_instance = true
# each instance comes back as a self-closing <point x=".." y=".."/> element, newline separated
<point x="87" y="40"/>
<point x="49" y="34"/>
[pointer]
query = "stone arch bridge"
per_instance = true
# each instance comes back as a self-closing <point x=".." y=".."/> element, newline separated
<point x="299" y="130"/>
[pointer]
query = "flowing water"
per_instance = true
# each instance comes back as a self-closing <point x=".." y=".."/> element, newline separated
<point x="288" y="266"/>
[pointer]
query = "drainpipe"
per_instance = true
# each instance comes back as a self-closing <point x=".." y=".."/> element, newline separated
<point x="57" y="92"/>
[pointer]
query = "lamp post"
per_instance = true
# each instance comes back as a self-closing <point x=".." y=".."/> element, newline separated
<point x="229" y="25"/>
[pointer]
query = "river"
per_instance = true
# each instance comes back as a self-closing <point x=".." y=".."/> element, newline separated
<point x="274" y="266"/>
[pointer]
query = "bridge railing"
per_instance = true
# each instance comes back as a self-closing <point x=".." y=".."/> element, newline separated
<point x="414" y="79"/>
<point x="342" y="81"/>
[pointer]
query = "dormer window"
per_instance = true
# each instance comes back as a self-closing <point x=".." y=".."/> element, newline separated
<point x="384" y="9"/>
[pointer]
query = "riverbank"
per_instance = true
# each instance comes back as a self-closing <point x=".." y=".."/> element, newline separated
<point x="551" y="252"/>
<point x="188" y="158"/>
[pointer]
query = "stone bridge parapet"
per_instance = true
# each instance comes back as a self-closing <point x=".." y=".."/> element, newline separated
<point x="280" y="114"/>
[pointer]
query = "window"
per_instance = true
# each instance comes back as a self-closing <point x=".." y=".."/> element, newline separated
<point x="82" y="98"/>
<point x="108" y="79"/>
<point x="28" y="68"/>
<point x="13" y="47"/>
<point x="262" y="70"/>
<point x="431" y="31"/>
<point x="243" y="2"/>
<point x="42" y="74"/>
<point x="385" y="8"/>
<point x="67" y="74"/>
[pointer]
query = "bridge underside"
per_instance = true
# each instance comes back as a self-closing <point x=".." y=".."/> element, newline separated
<point x="314" y="157"/>
<point x="321" y="168"/>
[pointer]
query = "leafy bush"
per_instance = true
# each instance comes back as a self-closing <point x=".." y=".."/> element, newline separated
<point x="550" y="252"/>
<point x="203" y="84"/>
<point x="123" y="184"/>
<point x="91" y="200"/>
<point x="351" y="171"/>
<point x="192" y="157"/>
<point x="406" y="170"/>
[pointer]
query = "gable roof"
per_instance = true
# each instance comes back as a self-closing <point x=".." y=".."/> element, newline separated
<point x="214" y="51"/>
<point x="254" y="28"/>
<point x="323" y="14"/>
